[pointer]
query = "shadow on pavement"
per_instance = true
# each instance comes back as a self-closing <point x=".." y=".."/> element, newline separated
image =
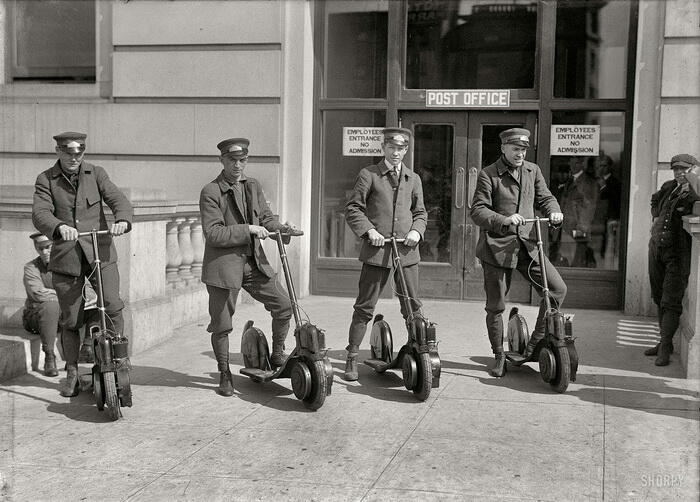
<point x="647" y="394"/>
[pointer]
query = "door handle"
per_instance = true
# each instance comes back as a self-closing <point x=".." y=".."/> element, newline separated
<point x="473" y="171"/>
<point x="459" y="189"/>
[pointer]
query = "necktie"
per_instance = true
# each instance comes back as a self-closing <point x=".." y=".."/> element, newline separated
<point x="394" y="177"/>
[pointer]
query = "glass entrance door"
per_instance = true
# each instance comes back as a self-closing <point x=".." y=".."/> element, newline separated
<point x="449" y="150"/>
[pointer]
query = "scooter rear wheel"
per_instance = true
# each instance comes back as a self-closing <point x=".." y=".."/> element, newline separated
<point x="562" y="375"/>
<point x="425" y="377"/>
<point x="317" y="396"/>
<point x="111" y="398"/>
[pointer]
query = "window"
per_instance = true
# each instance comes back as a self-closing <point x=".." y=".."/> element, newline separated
<point x="591" y="49"/>
<point x="589" y="191"/>
<point x="339" y="173"/>
<point x="53" y="40"/>
<point x="356" y="56"/>
<point x="471" y="44"/>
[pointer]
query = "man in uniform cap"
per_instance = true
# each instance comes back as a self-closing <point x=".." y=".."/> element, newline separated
<point x="68" y="198"/>
<point x="669" y="250"/>
<point x="387" y="201"/>
<point x="235" y="218"/>
<point x="507" y="192"/>
<point x="41" y="310"/>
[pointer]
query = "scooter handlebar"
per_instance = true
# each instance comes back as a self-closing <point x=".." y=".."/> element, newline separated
<point x="535" y="220"/>
<point x="398" y="241"/>
<point x="97" y="232"/>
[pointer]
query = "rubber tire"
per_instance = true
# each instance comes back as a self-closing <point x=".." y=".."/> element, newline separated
<point x="317" y="396"/>
<point x="562" y="375"/>
<point x="97" y="388"/>
<point x="111" y="398"/>
<point x="425" y="377"/>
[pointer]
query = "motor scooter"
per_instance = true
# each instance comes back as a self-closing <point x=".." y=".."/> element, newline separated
<point x="556" y="352"/>
<point x="418" y="358"/>
<point x="110" y="372"/>
<point x="307" y="365"/>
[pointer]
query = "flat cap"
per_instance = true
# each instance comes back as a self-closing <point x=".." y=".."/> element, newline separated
<point x="515" y="136"/>
<point x="38" y="237"/>
<point x="397" y="136"/>
<point x="683" y="160"/>
<point x="236" y="147"/>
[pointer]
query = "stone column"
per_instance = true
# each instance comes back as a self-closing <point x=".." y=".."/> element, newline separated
<point x="197" y="238"/>
<point x="690" y="320"/>
<point x="172" y="250"/>
<point x="185" y="242"/>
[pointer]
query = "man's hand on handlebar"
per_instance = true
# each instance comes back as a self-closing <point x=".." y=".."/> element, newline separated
<point x="556" y="218"/>
<point x="258" y="231"/>
<point x="412" y="238"/>
<point x="515" y="219"/>
<point x="375" y="238"/>
<point x="68" y="233"/>
<point x="118" y="228"/>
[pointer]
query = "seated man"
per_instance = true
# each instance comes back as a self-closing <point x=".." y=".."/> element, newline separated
<point x="41" y="310"/>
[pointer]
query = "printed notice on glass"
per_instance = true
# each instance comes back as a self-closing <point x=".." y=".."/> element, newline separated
<point x="362" y="141"/>
<point x="575" y="140"/>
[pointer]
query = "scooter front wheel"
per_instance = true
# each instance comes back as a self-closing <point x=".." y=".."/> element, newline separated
<point x="425" y="377"/>
<point x="562" y="374"/>
<point x="317" y="395"/>
<point x="111" y="398"/>
<point x="97" y="388"/>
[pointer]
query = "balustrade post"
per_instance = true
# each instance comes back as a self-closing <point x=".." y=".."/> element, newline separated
<point x="185" y="241"/>
<point x="172" y="249"/>
<point x="197" y="246"/>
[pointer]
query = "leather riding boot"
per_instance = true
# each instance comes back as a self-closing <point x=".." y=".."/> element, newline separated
<point x="530" y="349"/>
<point x="72" y="386"/>
<point x="499" y="368"/>
<point x="278" y="356"/>
<point x="50" y="369"/>
<point x="351" y="367"/>
<point x="655" y="350"/>
<point x="663" y="357"/>
<point x="669" y="324"/>
<point x="225" y="383"/>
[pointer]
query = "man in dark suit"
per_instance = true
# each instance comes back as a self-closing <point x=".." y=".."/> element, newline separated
<point x="507" y="192"/>
<point x="670" y="250"/>
<point x="68" y="198"/>
<point x="609" y="198"/>
<point x="387" y="201"/>
<point x="235" y="217"/>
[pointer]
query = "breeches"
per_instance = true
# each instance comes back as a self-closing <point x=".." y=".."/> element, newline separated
<point x="266" y="290"/>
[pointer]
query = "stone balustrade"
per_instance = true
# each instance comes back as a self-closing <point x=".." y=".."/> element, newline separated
<point x="160" y="263"/>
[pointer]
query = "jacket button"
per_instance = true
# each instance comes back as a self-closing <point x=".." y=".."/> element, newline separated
<point x="396" y="219"/>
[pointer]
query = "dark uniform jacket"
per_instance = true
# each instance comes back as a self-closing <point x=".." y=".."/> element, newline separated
<point x="37" y="283"/>
<point x="228" y="242"/>
<point x="668" y="206"/>
<point x="371" y="205"/>
<point x="57" y="202"/>
<point x="497" y="196"/>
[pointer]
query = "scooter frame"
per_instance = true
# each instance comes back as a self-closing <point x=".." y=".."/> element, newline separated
<point x="110" y="372"/>
<point x="556" y="353"/>
<point x="307" y="365"/>
<point x="418" y="358"/>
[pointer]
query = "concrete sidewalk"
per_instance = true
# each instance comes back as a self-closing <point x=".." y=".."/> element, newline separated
<point x="626" y="430"/>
